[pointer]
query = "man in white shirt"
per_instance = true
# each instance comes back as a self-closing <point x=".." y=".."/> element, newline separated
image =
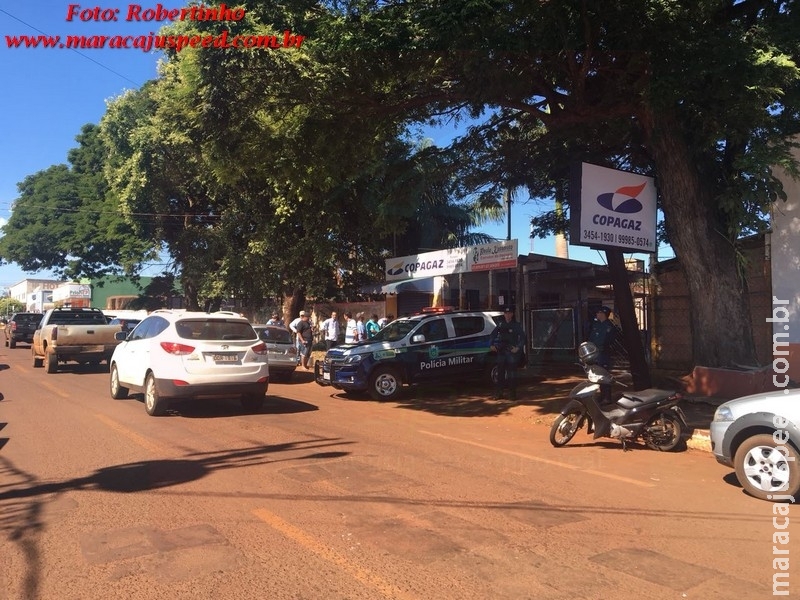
<point x="331" y="328"/>
<point x="351" y="329"/>
<point x="298" y="344"/>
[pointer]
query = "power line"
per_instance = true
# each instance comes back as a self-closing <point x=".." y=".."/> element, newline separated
<point x="81" y="54"/>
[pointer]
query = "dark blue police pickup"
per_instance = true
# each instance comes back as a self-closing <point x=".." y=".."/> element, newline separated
<point x="431" y="347"/>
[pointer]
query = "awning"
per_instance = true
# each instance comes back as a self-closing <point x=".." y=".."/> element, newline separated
<point x="420" y="284"/>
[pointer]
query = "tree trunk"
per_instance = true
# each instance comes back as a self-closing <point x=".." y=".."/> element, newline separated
<point x="623" y="306"/>
<point x="190" y="293"/>
<point x="293" y="303"/>
<point x="721" y="328"/>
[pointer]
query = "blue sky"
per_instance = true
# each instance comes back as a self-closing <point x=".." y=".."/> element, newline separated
<point x="51" y="93"/>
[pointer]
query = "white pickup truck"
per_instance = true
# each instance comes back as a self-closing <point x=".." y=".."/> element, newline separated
<point x="81" y="335"/>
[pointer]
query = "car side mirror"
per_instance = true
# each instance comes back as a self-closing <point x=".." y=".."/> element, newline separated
<point x="418" y="339"/>
<point x="121" y="336"/>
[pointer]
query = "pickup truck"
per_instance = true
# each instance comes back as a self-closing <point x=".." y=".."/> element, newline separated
<point x="81" y="335"/>
<point x="20" y="328"/>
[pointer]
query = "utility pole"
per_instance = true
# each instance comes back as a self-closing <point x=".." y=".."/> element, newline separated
<point x="507" y="202"/>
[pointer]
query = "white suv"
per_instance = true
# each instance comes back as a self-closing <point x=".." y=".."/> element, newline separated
<point x="190" y="355"/>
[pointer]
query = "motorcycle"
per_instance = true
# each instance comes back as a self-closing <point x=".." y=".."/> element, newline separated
<point x="652" y="414"/>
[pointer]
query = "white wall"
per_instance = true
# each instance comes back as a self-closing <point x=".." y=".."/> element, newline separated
<point x="785" y="255"/>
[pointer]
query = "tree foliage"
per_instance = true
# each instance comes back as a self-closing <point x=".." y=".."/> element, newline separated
<point x="63" y="221"/>
<point x="260" y="180"/>
<point x="702" y="95"/>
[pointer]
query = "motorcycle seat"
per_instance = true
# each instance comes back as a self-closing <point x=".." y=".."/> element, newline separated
<point x="634" y="399"/>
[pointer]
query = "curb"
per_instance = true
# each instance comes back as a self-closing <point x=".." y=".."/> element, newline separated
<point x="699" y="440"/>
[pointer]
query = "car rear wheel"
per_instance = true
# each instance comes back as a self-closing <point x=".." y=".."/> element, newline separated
<point x="12" y="343"/>
<point x="37" y="361"/>
<point x="118" y="392"/>
<point x="154" y="404"/>
<point x="385" y="384"/>
<point x="50" y="362"/>
<point x="765" y="468"/>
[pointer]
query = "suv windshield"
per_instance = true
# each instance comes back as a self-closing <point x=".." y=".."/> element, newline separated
<point x="396" y="330"/>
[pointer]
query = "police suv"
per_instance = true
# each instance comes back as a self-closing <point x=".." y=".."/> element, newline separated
<point x="436" y="346"/>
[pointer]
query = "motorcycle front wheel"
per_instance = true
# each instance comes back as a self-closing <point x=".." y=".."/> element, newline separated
<point x="564" y="428"/>
<point x="663" y="432"/>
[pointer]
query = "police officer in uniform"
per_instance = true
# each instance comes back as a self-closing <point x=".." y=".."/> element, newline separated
<point x="602" y="335"/>
<point x="508" y="341"/>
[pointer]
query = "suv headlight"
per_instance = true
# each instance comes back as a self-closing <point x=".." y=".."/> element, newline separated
<point x="723" y="413"/>
<point x="352" y="359"/>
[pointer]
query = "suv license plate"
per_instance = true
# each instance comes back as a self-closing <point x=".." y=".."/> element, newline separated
<point x="225" y="357"/>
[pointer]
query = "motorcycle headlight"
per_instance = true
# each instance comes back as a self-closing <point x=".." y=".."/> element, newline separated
<point x="352" y="359"/>
<point x="723" y="413"/>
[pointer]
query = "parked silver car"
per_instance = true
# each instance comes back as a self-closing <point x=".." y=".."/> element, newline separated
<point x="281" y="351"/>
<point x="759" y="436"/>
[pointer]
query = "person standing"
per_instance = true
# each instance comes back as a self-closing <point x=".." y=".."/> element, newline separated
<point x="361" y="327"/>
<point x="602" y="334"/>
<point x="508" y="341"/>
<point x="351" y="329"/>
<point x="331" y="330"/>
<point x="305" y="334"/>
<point x="276" y="320"/>
<point x="372" y="326"/>
<point x="384" y="321"/>
<point x="293" y="328"/>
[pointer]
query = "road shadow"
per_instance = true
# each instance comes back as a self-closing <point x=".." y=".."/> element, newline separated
<point x="221" y="408"/>
<point x="78" y="369"/>
<point x="546" y="396"/>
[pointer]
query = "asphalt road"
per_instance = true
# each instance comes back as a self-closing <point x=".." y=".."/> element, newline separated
<point x="324" y="497"/>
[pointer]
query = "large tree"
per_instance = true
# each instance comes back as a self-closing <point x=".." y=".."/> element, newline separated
<point x="63" y="221"/>
<point x="704" y="95"/>
<point x="261" y="180"/>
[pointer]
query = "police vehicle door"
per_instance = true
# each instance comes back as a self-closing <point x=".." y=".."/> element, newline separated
<point x="430" y="349"/>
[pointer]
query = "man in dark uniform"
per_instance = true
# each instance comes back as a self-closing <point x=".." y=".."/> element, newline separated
<point x="508" y="341"/>
<point x="602" y="335"/>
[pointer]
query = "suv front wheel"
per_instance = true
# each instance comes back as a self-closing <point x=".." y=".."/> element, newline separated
<point x="764" y="470"/>
<point x="385" y="384"/>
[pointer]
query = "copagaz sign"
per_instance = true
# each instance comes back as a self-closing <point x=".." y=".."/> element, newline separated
<point x="484" y="257"/>
<point x="612" y="209"/>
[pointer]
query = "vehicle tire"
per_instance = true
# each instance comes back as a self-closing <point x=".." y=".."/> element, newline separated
<point x="50" y="362"/>
<point x="565" y="427"/>
<point x="385" y="384"/>
<point x="494" y="375"/>
<point x="764" y="470"/>
<point x="154" y="404"/>
<point x="12" y="343"/>
<point x="118" y="392"/>
<point x="37" y="361"/>
<point x="253" y="402"/>
<point x="663" y="432"/>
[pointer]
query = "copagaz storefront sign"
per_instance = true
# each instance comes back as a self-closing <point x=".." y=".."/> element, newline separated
<point x="612" y="209"/>
<point x="484" y="257"/>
